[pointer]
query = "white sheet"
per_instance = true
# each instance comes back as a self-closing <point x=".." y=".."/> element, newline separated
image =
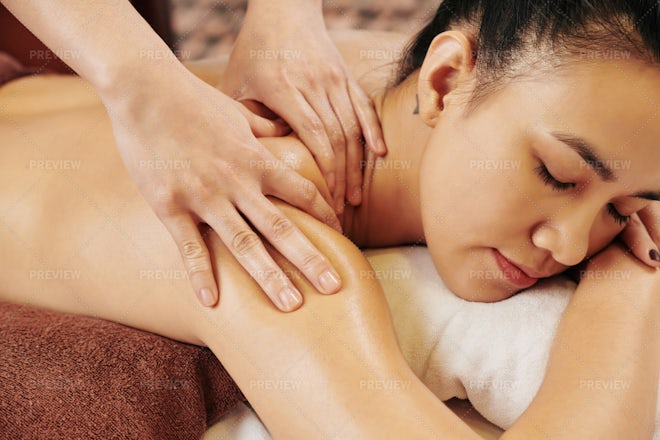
<point x="492" y="353"/>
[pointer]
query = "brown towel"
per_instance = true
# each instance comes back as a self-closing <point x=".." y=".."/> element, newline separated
<point x="72" y="377"/>
<point x="11" y="69"/>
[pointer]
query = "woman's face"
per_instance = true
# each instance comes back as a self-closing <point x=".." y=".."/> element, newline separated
<point x="540" y="175"/>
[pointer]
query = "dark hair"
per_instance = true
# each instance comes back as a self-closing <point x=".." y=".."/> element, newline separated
<point x="505" y="31"/>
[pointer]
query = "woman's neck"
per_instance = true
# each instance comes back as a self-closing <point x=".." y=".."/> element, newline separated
<point x="390" y="213"/>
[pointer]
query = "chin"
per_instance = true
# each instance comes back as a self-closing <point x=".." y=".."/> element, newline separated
<point x="460" y="283"/>
<point x="478" y="290"/>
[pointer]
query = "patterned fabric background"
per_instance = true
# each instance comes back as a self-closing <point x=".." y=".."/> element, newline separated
<point x="205" y="28"/>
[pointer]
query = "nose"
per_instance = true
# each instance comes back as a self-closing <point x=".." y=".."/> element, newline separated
<point x="566" y="234"/>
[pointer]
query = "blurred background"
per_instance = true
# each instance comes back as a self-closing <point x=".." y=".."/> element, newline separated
<point x="206" y="28"/>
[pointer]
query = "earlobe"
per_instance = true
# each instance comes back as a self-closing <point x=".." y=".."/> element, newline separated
<point x="448" y="60"/>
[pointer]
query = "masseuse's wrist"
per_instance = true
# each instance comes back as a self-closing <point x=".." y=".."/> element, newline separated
<point x="141" y="68"/>
<point x="146" y="86"/>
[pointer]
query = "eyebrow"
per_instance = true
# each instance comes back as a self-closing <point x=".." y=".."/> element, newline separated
<point x="588" y="154"/>
<point x="648" y="195"/>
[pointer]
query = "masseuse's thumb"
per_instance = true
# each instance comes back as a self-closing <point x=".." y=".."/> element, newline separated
<point x="263" y="122"/>
<point x="196" y="258"/>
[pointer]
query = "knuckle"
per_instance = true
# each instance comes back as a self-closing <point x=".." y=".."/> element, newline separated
<point x="313" y="126"/>
<point x="194" y="187"/>
<point x="281" y="227"/>
<point x="197" y="267"/>
<point x="243" y="242"/>
<point x="311" y="77"/>
<point x="307" y="191"/>
<point x="194" y="256"/>
<point x="313" y="261"/>
<point x="164" y="201"/>
<point x="192" y="250"/>
<point x="335" y="75"/>
<point x="337" y="139"/>
<point x="282" y="76"/>
<point x="354" y="132"/>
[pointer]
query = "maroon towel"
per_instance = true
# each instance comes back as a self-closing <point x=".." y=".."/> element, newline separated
<point x="10" y="69"/>
<point x="71" y="377"/>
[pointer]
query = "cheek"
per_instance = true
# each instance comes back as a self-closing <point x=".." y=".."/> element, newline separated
<point x="468" y="193"/>
<point x="601" y="235"/>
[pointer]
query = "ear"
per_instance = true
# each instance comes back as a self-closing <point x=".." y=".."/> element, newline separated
<point x="448" y="60"/>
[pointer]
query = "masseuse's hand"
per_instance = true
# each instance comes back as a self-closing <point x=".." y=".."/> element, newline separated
<point x="285" y="59"/>
<point x="193" y="155"/>
<point x="642" y="234"/>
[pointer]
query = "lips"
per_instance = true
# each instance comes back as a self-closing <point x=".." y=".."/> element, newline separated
<point x="512" y="272"/>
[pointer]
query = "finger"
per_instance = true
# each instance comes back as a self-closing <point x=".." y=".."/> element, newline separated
<point x="195" y="257"/>
<point x="650" y="216"/>
<point x="353" y="135"/>
<point x="321" y="104"/>
<point x="291" y="242"/>
<point x="263" y="127"/>
<point x="638" y="240"/>
<point x="297" y="112"/>
<point x="250" y="252"/>
<point x="289" y="186"/>
<point x="366" y="114"/>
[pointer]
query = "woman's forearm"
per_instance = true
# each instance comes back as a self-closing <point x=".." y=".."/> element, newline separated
<point x="106" y="42"/>
<point x="602" y="375"/>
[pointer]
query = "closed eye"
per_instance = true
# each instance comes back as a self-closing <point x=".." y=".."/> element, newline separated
<point x="550" y="180"/>
<point x="619" y="218"/>
<point x="558" y="185"/>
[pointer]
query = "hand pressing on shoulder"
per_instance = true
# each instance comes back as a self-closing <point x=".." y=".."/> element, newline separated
<point x="192" y="152"/>
<point x="284" y="59"/>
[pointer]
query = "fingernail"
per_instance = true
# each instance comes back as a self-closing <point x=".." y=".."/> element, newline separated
<point x="206" y="296"/>
<point x="655" y="255"/>
<point x="330" y="282"/>
<point x="289" y="298"/>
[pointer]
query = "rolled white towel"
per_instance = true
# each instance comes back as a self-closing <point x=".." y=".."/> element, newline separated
<point x="493" y="354"/>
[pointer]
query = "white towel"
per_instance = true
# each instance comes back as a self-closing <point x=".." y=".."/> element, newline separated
<point x="494" y="354"/>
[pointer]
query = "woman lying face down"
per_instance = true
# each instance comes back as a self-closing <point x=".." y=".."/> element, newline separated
<point x="516" y="154"/>
<point x="477" y="169"/>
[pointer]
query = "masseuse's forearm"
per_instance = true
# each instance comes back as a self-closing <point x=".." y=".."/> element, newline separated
<point x="106" y="42"/>
<point x="602" y="375"/>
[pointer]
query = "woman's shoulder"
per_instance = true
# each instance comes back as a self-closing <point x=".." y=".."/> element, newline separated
<point x="292" y="153"/>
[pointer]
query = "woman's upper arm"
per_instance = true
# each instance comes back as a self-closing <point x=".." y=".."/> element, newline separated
<point x="331" y="368"/>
